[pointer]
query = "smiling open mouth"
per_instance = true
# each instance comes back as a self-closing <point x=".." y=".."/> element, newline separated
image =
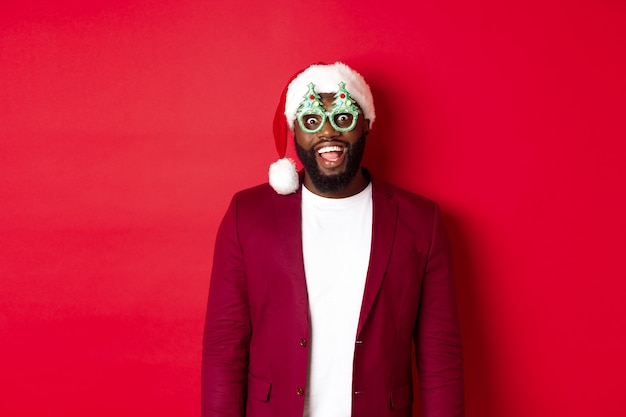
<point x="331" y="153"/>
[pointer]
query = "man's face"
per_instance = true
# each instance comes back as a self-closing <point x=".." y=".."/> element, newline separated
<point x="331" y="159"/>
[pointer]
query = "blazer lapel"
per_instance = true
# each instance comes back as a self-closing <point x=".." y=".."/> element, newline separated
<point x="288" y="227"/>
<point x="385" y="212"/>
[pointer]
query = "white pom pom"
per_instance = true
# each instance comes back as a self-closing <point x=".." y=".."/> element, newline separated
<point x="284" y="177"/>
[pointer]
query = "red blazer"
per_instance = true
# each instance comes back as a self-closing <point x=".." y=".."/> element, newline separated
<point x="255" y="354"/>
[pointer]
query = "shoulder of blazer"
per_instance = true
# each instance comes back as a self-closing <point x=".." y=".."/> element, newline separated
<point x="263" y="195"/>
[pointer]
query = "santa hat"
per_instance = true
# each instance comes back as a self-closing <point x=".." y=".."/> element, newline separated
<point x="283" y="176"/>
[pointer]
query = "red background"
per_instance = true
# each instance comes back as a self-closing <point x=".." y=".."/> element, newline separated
<point x="126" y="126"/>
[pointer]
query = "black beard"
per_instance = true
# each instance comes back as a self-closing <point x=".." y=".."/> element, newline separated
<point x="337" y="182"/>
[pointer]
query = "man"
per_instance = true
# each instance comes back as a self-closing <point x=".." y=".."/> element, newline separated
<point x="322" y="281"/>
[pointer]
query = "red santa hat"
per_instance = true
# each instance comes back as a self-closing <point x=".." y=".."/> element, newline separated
<point x="283" y="176"/>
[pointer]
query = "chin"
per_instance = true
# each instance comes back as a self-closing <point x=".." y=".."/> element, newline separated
<point x="333" y="182"/>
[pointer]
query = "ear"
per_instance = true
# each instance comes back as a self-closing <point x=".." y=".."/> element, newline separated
<point x="366" y="126"/>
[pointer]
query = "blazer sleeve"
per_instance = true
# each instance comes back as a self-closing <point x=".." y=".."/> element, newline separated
<point x="227" y="329"/>
<point x="437" y="338"/>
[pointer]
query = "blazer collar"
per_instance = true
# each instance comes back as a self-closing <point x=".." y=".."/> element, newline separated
<point x="384" y="220"/>
<point x="288" y="227"/>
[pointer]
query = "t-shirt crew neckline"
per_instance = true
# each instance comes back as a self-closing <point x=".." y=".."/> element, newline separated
<point x="335" y="203"/>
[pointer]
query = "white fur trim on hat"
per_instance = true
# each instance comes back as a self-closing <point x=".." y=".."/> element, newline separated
<point x="326" y="79"/>
<point x="284" y="177"/>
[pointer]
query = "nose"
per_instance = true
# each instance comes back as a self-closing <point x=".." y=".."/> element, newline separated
<point x="328" y="131"/>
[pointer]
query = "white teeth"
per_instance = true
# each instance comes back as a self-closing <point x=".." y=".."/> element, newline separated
<point x="326" y="149"/>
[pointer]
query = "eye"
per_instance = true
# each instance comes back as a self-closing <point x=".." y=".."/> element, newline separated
<point x="343" y="119"/>
<point x="311" y="121"/>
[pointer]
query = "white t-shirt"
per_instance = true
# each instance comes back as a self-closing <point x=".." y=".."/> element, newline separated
<point x="336" y="241"/>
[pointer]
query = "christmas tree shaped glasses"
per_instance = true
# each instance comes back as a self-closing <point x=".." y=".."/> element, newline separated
<point x="312" y="116"/>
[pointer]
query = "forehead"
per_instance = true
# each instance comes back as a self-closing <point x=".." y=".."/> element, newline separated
<point x="329" y="98"/>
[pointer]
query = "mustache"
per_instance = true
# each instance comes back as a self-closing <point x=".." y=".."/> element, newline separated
<point x="322" y="141"/>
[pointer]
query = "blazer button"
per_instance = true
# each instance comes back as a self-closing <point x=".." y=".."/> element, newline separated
<point x="300" y="391"/>
<point x="303" y="342"/>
